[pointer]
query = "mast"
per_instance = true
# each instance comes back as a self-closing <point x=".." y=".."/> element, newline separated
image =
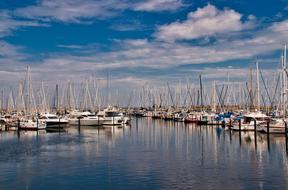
<point x="2" y="100"/>
<point x="201" y="92"/>
<point x="251" y="90"/>
<point x="214" y="96"/>
<point x="284" y="81"/>
<point x="28" y="92"/>
<point x="10" y="102"/>
<point x="57" y="98"/>
<point x="20" y="103"/>
<point x="258" y="87"/>
<point x="108" y="89"/>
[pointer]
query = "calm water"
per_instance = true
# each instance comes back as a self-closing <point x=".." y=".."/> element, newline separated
<point x="151" y="155"/>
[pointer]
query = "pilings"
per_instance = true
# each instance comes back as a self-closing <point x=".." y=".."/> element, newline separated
<point x="286" y="140"/>
<point x="79" y="124"/>
<point x="268" y="135"/>
<point x="255" y="134"/>
<point x="240" y="132"/>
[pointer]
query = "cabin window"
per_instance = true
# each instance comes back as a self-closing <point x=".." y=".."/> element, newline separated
<point x="247" y="119"/>
<point x="52" y="117"/>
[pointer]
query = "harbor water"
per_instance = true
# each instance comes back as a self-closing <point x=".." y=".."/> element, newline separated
<point x="148" y="154"/>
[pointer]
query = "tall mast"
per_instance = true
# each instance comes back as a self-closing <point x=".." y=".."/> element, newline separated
<point x="251" y="90"/>
<point x="284" y="81"/>
<point x="214" y="96"/>
<point x="2" y="100"/>
<point x="10" y="102"/>
<point x="57" y="98"/>
<point x="258" y="86"/>
<point x="28" y="89"/>
<point x="201" y="92"/>
<point x="108" y="89"/>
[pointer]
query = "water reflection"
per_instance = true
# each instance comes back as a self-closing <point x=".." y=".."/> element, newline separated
<point x="149" y="154"/>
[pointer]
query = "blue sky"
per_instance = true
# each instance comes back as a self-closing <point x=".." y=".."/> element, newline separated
<point x="139" y="42"/>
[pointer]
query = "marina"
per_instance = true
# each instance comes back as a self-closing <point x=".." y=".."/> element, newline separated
<point x="148" y="154"/>
<point x="176" y="137"/>
<point x="143" y="94"/>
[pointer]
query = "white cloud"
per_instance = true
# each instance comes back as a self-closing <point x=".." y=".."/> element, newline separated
<point x="70" y="46"/>
<point x="158" y="5"/>
<point x="8" y="24"/>
<point x="154" y="55"/>
<point x="206" y="21"/>
<point x="139" y="53"/>
<point x="134" y="54"/>
<point x="9" y="51"/>
<point x="71" y="10"/>
<point x="83" y="10"/>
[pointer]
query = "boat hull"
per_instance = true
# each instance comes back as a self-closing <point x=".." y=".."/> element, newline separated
<point x="49" y="123"/>
<point x="88" y="122"/>
<point x="113" y="122"/>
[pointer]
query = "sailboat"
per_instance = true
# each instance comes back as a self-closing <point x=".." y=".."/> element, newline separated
<point x="278" y="125"/>
<point x="248" y="120"/>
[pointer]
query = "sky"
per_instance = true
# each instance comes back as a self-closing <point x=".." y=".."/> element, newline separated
<point x="141" y="41"/>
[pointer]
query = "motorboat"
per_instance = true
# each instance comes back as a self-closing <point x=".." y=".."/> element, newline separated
<point x="191" y="118"/>
<point x="248" y="121"/>
<point x="53" y="119"/>
<point x="85" y="119"/>
<point x="112" y="116"/>
<point x="276" y="126"/>
<point x="32" y="125"/>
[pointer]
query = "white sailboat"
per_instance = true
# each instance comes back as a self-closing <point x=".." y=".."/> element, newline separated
<point x="277" y="125"/>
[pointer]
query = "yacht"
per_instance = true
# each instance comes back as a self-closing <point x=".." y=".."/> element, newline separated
<point x="112" y="116"/>
<point x="32" y="125"/>
<point x="247" y="121"/>
<point x="276" y="126"/>
<point x="208" y="119"/>
<point x="52" y="119"/>
<point x="85" y="118"/>
<point x="180" y="117"/>
<point x="191" y="118"/>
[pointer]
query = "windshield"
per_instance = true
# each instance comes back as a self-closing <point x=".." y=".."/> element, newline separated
<point x="112" y="114"/>
<point x="52" y="117"/>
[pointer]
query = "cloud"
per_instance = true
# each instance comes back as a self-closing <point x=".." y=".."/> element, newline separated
<point x="79" y="11"/>
<point x="9" y="52"/>
<point x="206" y="21"/>
<point x="71" y="10"/>
<point x="150" y="59"/>
<point x="158" y="5"/>
<point x="70" y="46"/>
<point x="9" y="23"/>
<point x="129" y="25"/>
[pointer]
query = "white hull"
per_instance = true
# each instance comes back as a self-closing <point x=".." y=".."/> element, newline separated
<point x="86" y="122"/>
<point x="275" y="130"/>
<point x="113" y="121"/>
<point x="32" y="126"/>
<point x="276" y="127"/>
<point x="247" y="127"/>
<point x="244" y="127"/>
<point x="56" y="122"/>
